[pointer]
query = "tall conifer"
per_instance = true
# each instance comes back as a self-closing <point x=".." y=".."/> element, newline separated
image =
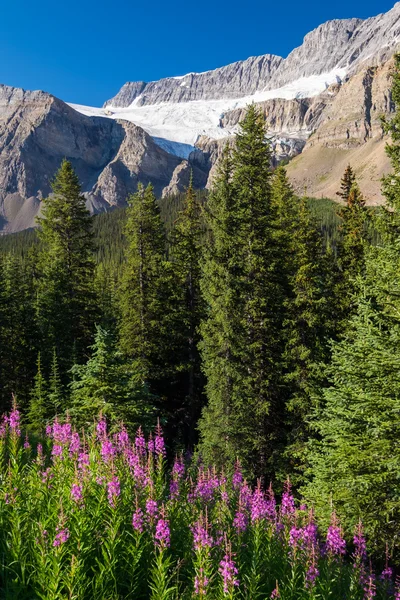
<point x="66" y="302"/>
<point x="242" y="343"/>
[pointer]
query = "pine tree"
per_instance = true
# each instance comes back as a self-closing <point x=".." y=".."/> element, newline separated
<point x="104" y="384"/>
<point x="38" y="408"/>
<point x="186" y="253"/>
<point x="346" y="183"/>
<point x="66" y="302"/>
<point x="354" y="461"/>
<point x="242" y="343"/>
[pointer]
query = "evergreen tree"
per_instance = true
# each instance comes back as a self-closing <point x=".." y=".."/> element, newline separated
<point x="56" y="396"/>
<point x="355" y="460"/>
<point x="346" y="183"/>
<point x="147" y="305"/>
<point x="186" y="253"/>
<point x="354" y="230"/>
<point x="38" y="407"/>
<point x="18" y="333"/>
<point x="242" y="340"/>
<point x="105" y="385"/>
<point x="66" y="302"/>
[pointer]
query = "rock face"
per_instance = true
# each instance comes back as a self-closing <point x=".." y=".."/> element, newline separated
<point x="341" y="44"/>
<point x="349" y="131"/>
<point x="322" y="106"/>
<point x="233" y="81"/>
<point x="110" y="157"/>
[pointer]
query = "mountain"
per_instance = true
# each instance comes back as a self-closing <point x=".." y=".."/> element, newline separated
<point x="322" y="106"/>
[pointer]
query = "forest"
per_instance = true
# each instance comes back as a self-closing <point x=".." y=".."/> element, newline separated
<point x="247" y="340"/>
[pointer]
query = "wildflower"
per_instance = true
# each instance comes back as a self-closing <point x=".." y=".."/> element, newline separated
<point x="107" y="450"/>
<point x="200" y="583"/>
<point x="76" y="493"/>
<point x="151" y="508"/>
<point x="137" y="520"/>
<point x="62" y="536"/>
<point x="61" y="432"/>
<point x="101" y="428"/>
<point x="113" y="491"/>
<point x="201" y="537"/>
<point x="287" y="506"/>
<point x="122" y="439"/>
<point x="360" y="546"/>
<point x="237" y="478"/>
<point x="275" y="593"/>
<point x="162" y="534"/>
<point x="14" y="420"/>
<point x="261" y="507"/>
<point x="83" y="461"/>
<point x="26" y="443"/>
<point x="57" y="450"/>
<point x="335" y="544"/>
<point x="387" y="573"/>
<point x="75" y="443"/>
<point x="178" y="469"/>
<point x="140" y="442"/>
<point x="159" y="444"/>
<point x="240" y="522"/>
<point x="228" y="571"/>
<point x="370" y="588"/>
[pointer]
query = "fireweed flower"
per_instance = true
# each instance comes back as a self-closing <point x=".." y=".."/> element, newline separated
<point x="159" y="444"/>
<point x="200" y="583"/>
<point x="57" y="450"/>
<point x="75" y="443"/>
<point x="287" y="505"/>
<point x="240" y="521"/>
<point x="113" y="491"/>
<point x="122" y="438"/>
<point x="14" y="420"/>
<point x="107" y="451"/>
<point x="360" y="546"/>
<point x="140" y="442"/>
<point x="83" y="461"/>
<point x="386" y="574"/>
<point x="178" y="469"/>
<point x="237" y="478"/>
<point x="228" y="572"/>
<point x="162" y="534"/>
<point x="151" y="508"/>
<point x="335" y="544"/>
<point x="61" y="536"/>
<point x="101" y="428"/>
<point x="76" y="493"/>
<point x="370" y="588"/>
<point x="137" y="520"/>
<point x="201" y="537"/>
<point x="61" y="432"/>
<point x="275" y="593"/>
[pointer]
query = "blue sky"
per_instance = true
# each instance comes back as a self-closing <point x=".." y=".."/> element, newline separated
<point x="83" y="51"/>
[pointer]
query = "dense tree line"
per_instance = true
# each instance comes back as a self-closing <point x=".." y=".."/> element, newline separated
<point x="257" y="325"/>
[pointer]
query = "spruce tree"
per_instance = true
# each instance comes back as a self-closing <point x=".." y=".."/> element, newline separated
<point x="147" y="304"/>
<point x="105" y="384"/>
<point x="354" y="461"/>
<point x="56" y="393"/>
<point x="186" y="253"/>
<point x="354" y="229"/>
<point x="38" y="408"/>
<point x="242" y="341"/>
<point x="346" y="183"/>
<point x="308" y="323"/>
<point x="66" y="303"/>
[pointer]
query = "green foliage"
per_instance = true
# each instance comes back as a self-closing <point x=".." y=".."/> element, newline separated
<point x="354" y="458"/>
<point x="242" y="338"/>
<point x="105" y="384"/>
<point x="186" y="250"/>
<point x="66" y="305"/>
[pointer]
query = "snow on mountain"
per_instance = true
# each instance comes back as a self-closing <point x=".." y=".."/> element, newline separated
<point x="176" y="126"/>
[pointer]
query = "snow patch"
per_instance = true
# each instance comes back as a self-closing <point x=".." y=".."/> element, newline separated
<point x="183" y="123"/>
